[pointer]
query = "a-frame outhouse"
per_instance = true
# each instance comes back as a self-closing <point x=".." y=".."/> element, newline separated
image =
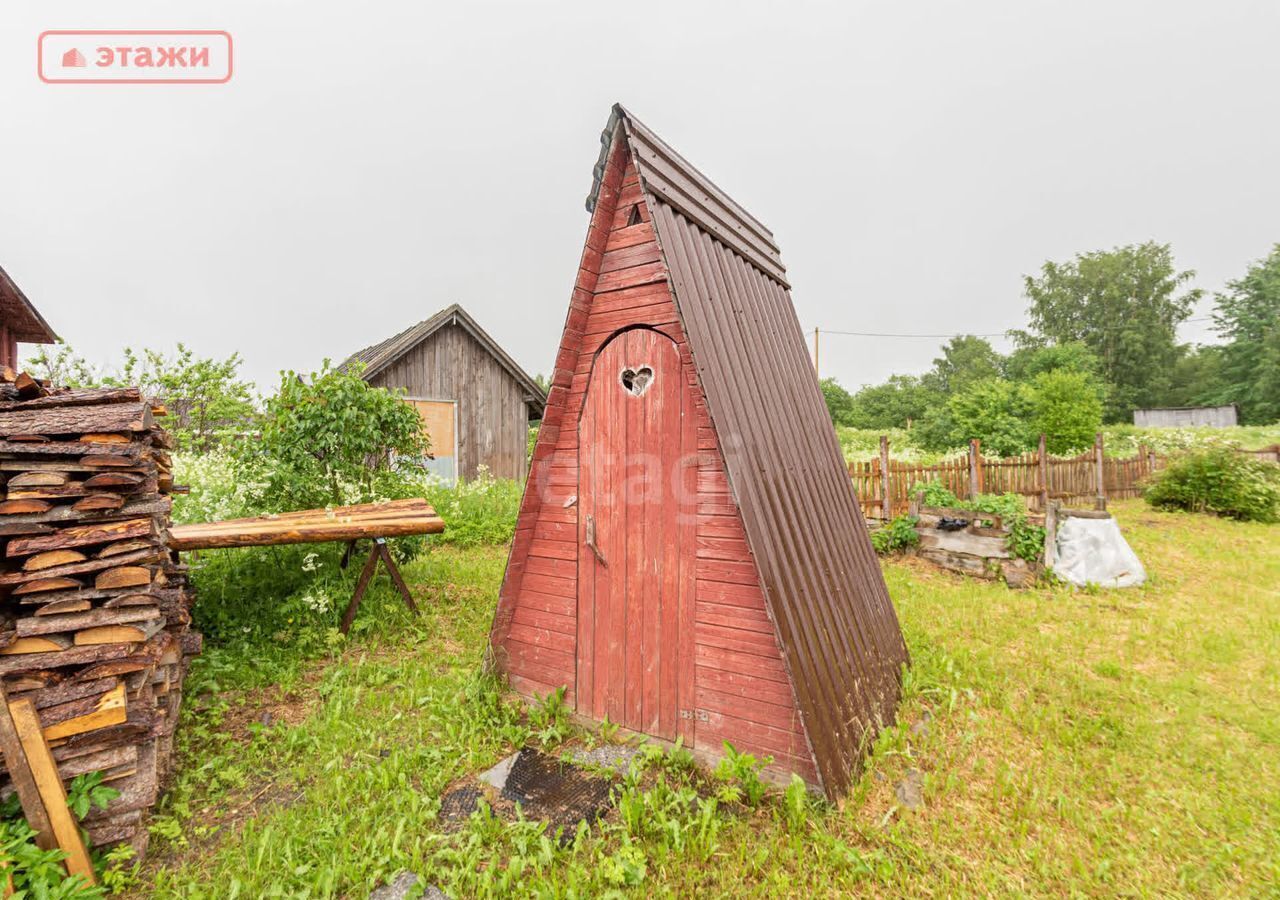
<point x="690" y="559"/>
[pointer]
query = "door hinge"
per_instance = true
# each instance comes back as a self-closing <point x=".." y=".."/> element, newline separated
<point x="686" y="714"/>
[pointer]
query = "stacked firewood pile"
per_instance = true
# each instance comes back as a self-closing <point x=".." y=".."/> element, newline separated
<point x="94" y="608"/>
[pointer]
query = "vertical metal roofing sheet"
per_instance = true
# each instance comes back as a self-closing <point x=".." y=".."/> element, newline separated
<point x="836" y="624"/>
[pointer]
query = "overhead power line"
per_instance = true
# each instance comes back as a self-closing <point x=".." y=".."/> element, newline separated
<point x="885" y="334"/>
<point x="988" y="334"/>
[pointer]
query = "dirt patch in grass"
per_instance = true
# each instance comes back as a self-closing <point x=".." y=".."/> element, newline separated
<point x="267" y="710"/>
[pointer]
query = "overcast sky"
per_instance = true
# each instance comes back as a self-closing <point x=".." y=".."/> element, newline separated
<point x="370" y="163"/>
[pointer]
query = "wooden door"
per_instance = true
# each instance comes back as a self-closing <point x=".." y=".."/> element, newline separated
<point x="637" y="503"/>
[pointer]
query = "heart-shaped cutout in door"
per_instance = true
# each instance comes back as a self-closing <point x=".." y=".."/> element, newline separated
<point x="635" y="379"/>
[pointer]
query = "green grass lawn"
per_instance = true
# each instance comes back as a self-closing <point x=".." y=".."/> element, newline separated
<point x="1069" y="743"/>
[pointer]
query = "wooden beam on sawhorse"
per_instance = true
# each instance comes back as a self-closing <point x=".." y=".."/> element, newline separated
<point x="379" y="551"/>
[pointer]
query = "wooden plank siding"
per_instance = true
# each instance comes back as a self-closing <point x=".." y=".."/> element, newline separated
<point x="8" y="347"/>
<point x="492" y="417"/>
<point x="741" y="691"/>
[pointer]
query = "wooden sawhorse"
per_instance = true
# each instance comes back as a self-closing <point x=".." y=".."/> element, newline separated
<point x="378" y="551"/>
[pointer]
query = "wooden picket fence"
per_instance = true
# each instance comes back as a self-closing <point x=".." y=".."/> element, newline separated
<point x="1089" y="479"/>
<point x="1270" y="454"/>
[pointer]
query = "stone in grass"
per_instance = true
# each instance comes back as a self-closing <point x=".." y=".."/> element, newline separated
<point x="921" y="728"/>
<point x="402" y="887"/>
<point x="1018" y="573"/>
<point x="497" y="776"/>
<point x="910" y="790"/>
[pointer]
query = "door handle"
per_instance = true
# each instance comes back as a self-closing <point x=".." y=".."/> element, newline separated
<point x="591" y="540"/>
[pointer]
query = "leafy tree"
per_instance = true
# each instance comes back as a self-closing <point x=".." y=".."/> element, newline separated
<point x="1247" y="315"/>
<point x="965" y="359"/>
<point x="205" y="397"/>
<point x="935" y="430"/>
<point x="1262" y="403"/>
<point x="839" y="401"/>
<point x="326" y="439"/>
<point x="61" y="365"/>
<point x="899" y="402"/>
<point x="1066" y="407"/>
<point x="1123" y="304"/>
<point x="1026" y="362"/>
<point x="995" y="411"/>
<point x="1197" y="379"/>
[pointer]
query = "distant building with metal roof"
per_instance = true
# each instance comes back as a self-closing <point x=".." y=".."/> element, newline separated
<point x="1187" y="416"/>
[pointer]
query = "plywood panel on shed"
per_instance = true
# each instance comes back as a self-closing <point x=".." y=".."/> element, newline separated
<point x="438" y="423"/>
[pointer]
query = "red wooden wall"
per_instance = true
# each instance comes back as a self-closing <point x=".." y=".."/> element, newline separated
<point x="8" y="348"/>
<point x="742" y="691"/>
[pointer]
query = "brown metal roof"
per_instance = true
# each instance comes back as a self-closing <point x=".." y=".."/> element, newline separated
<point x="670" y="176"/>
<point x="836" y="624"/>
<point x="378" y="356"/>
<point x="24" y="320"/>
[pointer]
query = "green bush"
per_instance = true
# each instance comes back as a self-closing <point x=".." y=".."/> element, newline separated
<point x="934" y="493"/>
<point x="481" y="511"/>
<point x="1066" y="407"/>
<point x="1220" y="481"/>
<point x="994" y="411"/>
<point x="331" y="439"/>
<point x="896" y="535"/>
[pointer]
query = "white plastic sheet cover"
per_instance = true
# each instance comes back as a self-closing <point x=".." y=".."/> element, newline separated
<point x="1093" y="551"/>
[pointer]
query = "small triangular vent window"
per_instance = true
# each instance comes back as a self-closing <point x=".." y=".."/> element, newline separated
<point x="634" y="217"/>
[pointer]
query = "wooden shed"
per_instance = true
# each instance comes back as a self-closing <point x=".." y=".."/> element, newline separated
<point x="475" y="402"/>
<point x="20" y="321"/>
<point x="690" y="559"/>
